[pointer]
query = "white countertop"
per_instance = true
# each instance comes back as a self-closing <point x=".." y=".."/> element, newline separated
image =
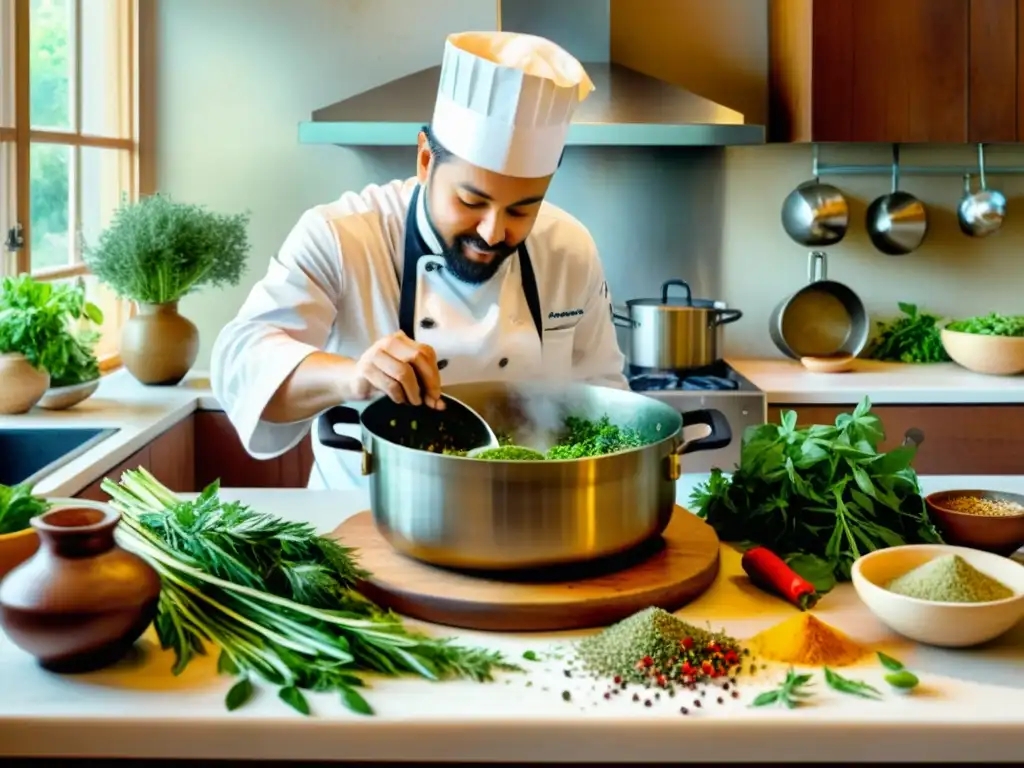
<point x="970" y="705"/>
<point x="787" y="381"/>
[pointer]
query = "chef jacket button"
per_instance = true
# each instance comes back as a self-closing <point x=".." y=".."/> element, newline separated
<point x="427" y="322"/>
<point x="442" y="364"/>
<point x="430" y="266"/>
<point x="503" y="362"/>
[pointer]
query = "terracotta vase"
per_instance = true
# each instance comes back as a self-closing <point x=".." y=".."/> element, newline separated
<point x="158" y="345"/>
<point x="23" y="385"/>
<point x="81" y="601"/>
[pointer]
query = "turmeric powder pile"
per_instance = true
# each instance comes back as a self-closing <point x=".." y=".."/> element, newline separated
<point x="804" y="640"/>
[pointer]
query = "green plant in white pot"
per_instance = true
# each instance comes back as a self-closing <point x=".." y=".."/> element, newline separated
<point x="45" y="341"/>
<point x="154" y="252"/>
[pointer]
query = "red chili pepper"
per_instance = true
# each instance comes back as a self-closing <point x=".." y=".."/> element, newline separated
<point x="770" y="572"/>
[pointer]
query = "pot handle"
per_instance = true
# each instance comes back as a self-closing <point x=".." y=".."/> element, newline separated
<point x="339" y="414"/>
<point x="682" y="284"/>
<point x="726" y="316"/>
<point x="621" y="320"/>
<point x="720" y="436"/>
<point x="817" y="267"/>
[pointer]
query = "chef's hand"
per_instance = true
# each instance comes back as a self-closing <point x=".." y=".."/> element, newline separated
<point x="403" y="369"/>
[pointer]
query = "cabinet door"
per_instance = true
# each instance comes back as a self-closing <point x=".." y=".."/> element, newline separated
<point x="958" y="439"/>
<point x="870" y="70"/>
<point x="93" y="492"/>
<point x="220" y="455"/>
<point x="994" y="71"/>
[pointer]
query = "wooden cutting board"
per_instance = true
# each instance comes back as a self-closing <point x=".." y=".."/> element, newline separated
<point x="668" y="572"/>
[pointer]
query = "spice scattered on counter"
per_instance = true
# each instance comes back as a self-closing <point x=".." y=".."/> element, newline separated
<point x="973" y="505"/>
<point x="807" y="641"/>
<point x="653" y="645"/>
<point x="770" y="572"/>
<point x="949" y="579"/>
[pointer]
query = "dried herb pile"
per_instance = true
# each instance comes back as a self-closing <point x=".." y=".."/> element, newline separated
<point x="278" y="600"/>
<point x="819" y="496"/>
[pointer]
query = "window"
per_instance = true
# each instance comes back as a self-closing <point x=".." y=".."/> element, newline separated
<point x="69" y="135"/>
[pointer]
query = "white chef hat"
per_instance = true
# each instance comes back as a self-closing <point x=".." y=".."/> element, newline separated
<point x="505" y="101"/>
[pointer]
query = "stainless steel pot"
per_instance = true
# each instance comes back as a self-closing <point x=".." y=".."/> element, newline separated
<point x="822" y="319"/>
<point x="816" y="214"/>
<point x="897" y="223"/>
<point x="672" y="334"/>
<point x="501" y="515"/>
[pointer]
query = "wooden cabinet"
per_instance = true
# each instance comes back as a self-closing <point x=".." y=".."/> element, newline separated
<point x="202" y="448"/>
<point x="958" y="439"/>
<point x="220" y="454"/>
<point x="940" y="71"/>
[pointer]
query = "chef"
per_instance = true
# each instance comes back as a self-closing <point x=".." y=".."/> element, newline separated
<point x="462" y="273"/>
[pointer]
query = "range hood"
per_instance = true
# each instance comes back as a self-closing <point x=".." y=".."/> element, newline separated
<point x="627" y="107"/>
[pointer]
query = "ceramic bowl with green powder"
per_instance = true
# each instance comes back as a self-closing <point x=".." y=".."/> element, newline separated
<point x="940" y="594"/>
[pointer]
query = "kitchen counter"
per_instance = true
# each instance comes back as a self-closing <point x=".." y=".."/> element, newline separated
<point x="970" y="704"/>
<point x="787" y="381"/>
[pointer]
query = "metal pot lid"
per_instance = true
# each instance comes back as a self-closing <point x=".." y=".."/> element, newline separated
<point x="676" y="302"/>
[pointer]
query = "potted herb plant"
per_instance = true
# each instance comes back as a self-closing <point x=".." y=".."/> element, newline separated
<point x="154" y="252"/>
<point x="39" y="343"/>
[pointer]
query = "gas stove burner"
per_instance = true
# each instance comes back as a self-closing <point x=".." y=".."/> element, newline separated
<point x="648" y="382"/>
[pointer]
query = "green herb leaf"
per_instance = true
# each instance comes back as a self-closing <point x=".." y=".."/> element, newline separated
<point x="531" y="656"/>
<point x="239" y="694"/>
<point x="790" y="694"/>
<point x="226" y="665"/>
<point x="293" y="697"/>
<point x="818" y="571"/>
<point x="903" y="679"/>
<point x="352" y="700"/>
<point x="853" y="687"/>
<point x="889" y="662"/>
<point x="915" y="338"/>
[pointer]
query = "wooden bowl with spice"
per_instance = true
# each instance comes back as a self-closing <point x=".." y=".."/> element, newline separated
<point x="953" y="597"/>
<point x="992" y="521"/>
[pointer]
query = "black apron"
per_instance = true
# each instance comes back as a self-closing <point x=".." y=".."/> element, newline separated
<point x="416" y="248"/>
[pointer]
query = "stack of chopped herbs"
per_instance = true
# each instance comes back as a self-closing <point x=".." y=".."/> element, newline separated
<point x="654" y="647"/>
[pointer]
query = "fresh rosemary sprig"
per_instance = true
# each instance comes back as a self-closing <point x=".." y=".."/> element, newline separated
<point x="276" y="599"/>
<point x="790" y="694"/>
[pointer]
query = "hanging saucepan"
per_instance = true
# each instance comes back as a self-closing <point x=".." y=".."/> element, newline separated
<point x="674" y="333"/>
<point x="897" y="223"/>
<point x="462" y="512"/>
<point x="981" y="213"/>
<point x="815" y="214"/>
<point x="822" y="319"/>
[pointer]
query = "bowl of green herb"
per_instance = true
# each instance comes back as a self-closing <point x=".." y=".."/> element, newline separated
<point x="991" y="344"/>
<point x="953" y="597"/>
<point x="18" y="539"/>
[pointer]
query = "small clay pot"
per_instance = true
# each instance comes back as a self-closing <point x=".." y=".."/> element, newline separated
<point x="23" y="385"/>
<point x="81" y="601"/>
<point x="158" y="345"/>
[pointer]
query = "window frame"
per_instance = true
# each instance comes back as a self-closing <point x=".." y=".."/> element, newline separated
<point x="137" y="77"/>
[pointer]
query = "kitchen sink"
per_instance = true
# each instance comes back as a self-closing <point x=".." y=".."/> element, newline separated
<point x="29" y="454"/>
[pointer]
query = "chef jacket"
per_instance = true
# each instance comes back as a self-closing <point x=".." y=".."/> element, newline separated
<point x="368" y="265"/>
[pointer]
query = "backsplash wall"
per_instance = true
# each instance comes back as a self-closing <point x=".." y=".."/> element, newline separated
<point x="228" y="107"/>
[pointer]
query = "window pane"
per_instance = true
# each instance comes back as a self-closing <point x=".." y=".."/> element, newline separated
<point x="105" y="66"/>
<point x="105" y="177"/>
<point x="50" y="191"/>
<point x="6" y="63"/>
<point x="50" y="63"/>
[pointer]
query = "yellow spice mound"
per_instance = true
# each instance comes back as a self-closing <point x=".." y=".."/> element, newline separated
<point x="805" y="640"/>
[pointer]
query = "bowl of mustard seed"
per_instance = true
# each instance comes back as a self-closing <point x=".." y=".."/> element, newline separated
<point x="992" y="521"/>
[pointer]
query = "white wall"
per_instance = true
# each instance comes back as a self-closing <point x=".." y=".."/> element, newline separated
<point x="236" y="76"/>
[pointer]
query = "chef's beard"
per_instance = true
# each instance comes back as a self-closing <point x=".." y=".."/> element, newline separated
<point x="475" y="272"/>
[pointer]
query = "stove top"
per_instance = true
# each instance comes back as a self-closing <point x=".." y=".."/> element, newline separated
<point x="717" y="377"/>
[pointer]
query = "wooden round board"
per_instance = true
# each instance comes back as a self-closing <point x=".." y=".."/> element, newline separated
<point x="667" y="572"/>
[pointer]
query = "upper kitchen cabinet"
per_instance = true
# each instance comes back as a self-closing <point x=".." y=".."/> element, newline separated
<point x="939" y="71"/>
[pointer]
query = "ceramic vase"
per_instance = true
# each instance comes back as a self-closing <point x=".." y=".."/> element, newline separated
<point x="81" y="601"/>
<point x="22" y="385"/>
<point x="158" y="345"/>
